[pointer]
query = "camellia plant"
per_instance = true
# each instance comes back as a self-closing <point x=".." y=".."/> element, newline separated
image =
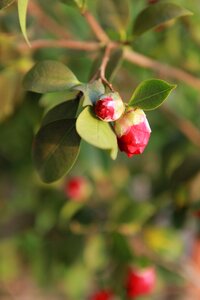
<point x="90" y="232"/>
<point x="96" y="113"/>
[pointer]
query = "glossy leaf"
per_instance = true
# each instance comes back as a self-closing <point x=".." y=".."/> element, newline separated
<point x="65" y="110"/>
<point x="150" y="94"/>
<point x="157" y="14"/>
<point x="95" y="131"/>
<point x="22" y="11"/>
<point x="92" y="92"/>
<point x="49" y="76"/>
<point x="55" y="149"/>
<point x="5" y="3"/>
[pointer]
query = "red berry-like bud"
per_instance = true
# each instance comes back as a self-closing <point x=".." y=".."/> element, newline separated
<point x="133" y="132"/>
<point x="140" y="282"/>
<point x="109" y="107"/>
<point x="102" y="295"/>
<point x="77" y="188"/>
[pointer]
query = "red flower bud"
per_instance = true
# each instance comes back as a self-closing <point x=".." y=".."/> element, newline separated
<point x="133" y="132"/>
<point x="102" y="295"/>
<point x="77" y="188"/>
<point x="109" y="107"/>
<point x="140" y="282"/>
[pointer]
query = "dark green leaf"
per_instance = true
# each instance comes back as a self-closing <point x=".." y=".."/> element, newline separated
<point x="150" y="94"/>
<point x="49" y="76"/>
<point x="55" y="149"/>
<point x="22" y="10"/>
<point x="92" y="92"/>
<point x="96" y="132"/>
<point x="5" y="3"/>
<point x="157" y="14"/>
<point x="65" y="110"/>
<point x="114" y="14"/>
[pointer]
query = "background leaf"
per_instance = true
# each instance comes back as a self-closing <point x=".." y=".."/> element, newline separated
<point x="49" y="76"/>
<point x="95" y="131"/>
<point x="114" y="14"/>
<point x="5" y="3"/>
<point x="150" y="94"/>
<point x="22" y="10"/>
<point x="157" y="14"/>
<point x="55" y="149"/>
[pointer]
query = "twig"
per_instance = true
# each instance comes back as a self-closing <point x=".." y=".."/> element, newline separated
<point x="184" y="125"/>
<point x="69" y="44"/>
<point x="95" y="27"/>
<point x="163" y="69"/>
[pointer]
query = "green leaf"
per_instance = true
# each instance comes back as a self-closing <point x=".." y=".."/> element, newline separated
<point x="65" y="110"/>
<point x="92" y="92"/>
<point x="22" y="10"/>
<point x="114" y="14"/>
<point x="95" y="131"/>
<point x="49" y="76"/>
<point x="5" y="3"/>
<point x="157" y="14"/>
<point x="112" y="66"/>
<point x="55" y="149"/>
<point x="150" y="94"/>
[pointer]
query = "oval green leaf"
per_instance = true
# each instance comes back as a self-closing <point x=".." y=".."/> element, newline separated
<point x="55" y="149"/>
<point x="157" y="14"/>
<point x="5" y="3"/>
<point x="49" y="76"/>
<point x="95" y="131"/>
<point x="150" y="94"/>
<point x="22" y="10"/>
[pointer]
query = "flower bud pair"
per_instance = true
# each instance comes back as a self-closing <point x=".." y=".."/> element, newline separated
<point x="131" y="127"/>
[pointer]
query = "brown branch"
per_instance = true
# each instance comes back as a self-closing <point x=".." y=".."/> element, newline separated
<point x="163" y="69"/>
<point x="184" y="125"/>
<point x="45" y="21"/>
<point x="69" y="44"/>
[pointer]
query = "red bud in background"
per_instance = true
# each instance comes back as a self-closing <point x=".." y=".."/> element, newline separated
<point x="109" y="107"/>
<point x="78" y="188"/>
<point x="140" y="282"/>
<point x="133" y="132"/>
<point x="102" y="295"/>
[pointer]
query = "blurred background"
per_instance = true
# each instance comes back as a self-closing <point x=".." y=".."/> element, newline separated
<point x="139" y="211"/>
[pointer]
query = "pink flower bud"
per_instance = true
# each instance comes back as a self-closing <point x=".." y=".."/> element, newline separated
<point x="77" y="188"/>
<point x="133" y="131"/>
<point x="109" y="107"/>
<point x="102" y="295"/>
<point x="140" y="282"/>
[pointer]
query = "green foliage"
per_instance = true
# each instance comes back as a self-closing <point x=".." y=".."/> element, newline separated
<point x="55" y="149"/>
<point x="157" y="14"/>
<point x="49" y="76"/>
<point x="5" y="3"/>
<point x="150" y="94"/>
<point x="96" y="132"/>
<point x="22" y="10"/>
